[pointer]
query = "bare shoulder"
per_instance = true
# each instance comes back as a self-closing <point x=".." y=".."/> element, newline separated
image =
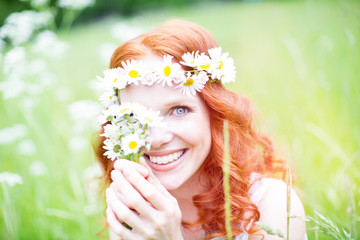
<point x="272" y="207"/>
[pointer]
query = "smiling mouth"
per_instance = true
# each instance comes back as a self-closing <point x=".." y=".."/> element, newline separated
<point x="166" y="159"/>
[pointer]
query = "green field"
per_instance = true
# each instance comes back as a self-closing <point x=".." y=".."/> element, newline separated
<point x="298" y="62"/>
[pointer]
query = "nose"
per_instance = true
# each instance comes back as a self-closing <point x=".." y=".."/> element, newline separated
<point x="160" y="137"/>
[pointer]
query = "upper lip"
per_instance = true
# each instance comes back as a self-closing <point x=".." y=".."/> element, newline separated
<point x="162" y="153"/>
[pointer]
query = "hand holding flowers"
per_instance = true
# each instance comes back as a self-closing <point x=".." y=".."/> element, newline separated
<point x="139" y="207"/>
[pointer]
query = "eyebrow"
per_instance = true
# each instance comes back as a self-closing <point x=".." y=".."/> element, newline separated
<point x="178" y="101"/>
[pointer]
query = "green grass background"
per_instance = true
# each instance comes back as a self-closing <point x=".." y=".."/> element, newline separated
<point x="299" y="62"/>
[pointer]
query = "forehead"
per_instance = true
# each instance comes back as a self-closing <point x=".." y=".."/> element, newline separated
<point x="157" y="96"/>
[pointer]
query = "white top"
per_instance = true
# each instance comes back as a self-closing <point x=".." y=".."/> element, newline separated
<point x="256" y="194"/>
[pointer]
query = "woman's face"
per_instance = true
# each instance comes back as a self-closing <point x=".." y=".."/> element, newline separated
<point x="178" y="149"/>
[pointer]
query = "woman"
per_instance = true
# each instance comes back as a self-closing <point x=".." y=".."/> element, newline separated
<point x="176" y="192"/>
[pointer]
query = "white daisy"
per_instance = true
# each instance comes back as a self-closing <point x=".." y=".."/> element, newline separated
<point x="190" y="59"/>
<point x="168" y="70"/>
<point x="113" y="149"/>
<point x="112" y="112"/>
<point x="228" y="72"/>
<point x="131" y="144"/>
<point x="193" y="83"/>
<point x="109" y="97"/>
<point x="225" y="69"/>
<point x="124" y="108"/>
<point x="101" y="119"/>
<point x="112" y="131"/>
<point x="113" y="78"/>
<point x="204" y="63"/>
<point x="133" y="71"/>
<point x="148" y="116"/>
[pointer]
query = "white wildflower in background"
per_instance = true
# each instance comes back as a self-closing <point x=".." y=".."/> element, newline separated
<point x="29" y="103"/>
<point x="36" y="66"/>
<point x="20" y="26"/>
<point x="48" y="44"/>
<point x="92" y="177"/>
<point x="83" y="113"/>
<point x="12" y="134"/>
<point x="75" y="4"/>
<point x="105" y="52"/>
<point x="125" y="31"/>
<point x="24" y="76"/>
<point x="13" y="59"/>
<point x="92" y="172"/>
<point x="10" y="179"/>
<point x="78" y="143"/>
<point x="12" y="88"/>
<point x="26" y="147"/>
<point x="38" y="168"/>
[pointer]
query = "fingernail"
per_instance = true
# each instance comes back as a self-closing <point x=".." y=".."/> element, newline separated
<point x="113" y="174"/>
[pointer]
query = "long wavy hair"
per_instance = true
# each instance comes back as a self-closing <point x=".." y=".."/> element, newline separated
<point x="250" y="151"/>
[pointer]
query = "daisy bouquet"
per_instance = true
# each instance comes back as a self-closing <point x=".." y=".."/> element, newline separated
<point x="127" y="130"/>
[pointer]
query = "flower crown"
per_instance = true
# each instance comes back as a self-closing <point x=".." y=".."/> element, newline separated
<point x="215" y="67"/>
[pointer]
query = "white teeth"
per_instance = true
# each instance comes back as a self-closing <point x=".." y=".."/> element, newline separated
<point x="166" y="159"/>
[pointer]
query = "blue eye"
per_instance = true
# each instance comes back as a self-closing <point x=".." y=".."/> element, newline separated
<point x="180" y="110"/>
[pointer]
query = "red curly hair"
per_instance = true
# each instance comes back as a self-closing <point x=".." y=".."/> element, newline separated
<point x="250" y="151"/>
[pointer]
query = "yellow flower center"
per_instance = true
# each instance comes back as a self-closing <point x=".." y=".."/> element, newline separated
<point x="148" y="119"/>
<point x="132" y="145"/>
<point x="205" y="66"/>
<point x="110" y="97"/>
<point x="133" y="74"/>
<point x="167" y="70"/>
<point x="189" y="82"/>
<point x="221" y="64"/>
<point x="115" y="79"/>
<point x="124" y="110"/>
<point x="192" y="62"/>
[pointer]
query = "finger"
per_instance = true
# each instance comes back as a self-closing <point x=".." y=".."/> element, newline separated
<point x="116" y="227"/>
<point x="123" y="214"/>
<point x="154" y="180"/>
<point x="147" y="189"/>
<point x="130" y="195"/>
<point x="122" y="164"/>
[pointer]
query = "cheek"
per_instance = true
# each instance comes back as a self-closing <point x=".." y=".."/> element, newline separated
<point x="197" y="133"/>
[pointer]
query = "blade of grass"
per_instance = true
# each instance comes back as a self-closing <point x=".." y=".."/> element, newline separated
<point x="288" y="202"/>
<point x="7" y="212"/>
<point x="351" y="208"/>
<point x="226" y="177"/>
